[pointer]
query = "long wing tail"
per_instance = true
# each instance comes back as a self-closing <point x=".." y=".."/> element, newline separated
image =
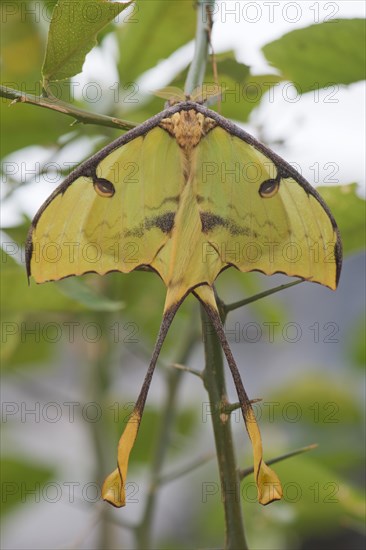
<point x="268" y="484"/>
<point x="113" y="490"/>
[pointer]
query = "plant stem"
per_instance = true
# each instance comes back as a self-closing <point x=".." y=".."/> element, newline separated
<point x="214" y="378"/>
<point x="70" y="110"/>
<point x="99" y="377"/>
<point x="230" y="486"/>
<point x="196" y="72"/>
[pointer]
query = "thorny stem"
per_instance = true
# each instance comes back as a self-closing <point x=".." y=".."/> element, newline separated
<point x="230" y="486"/>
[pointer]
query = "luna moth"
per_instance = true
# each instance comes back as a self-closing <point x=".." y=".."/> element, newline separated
<point x="186" y="194"/>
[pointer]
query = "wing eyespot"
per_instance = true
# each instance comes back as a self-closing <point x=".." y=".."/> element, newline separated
<point x="269" y="188"/>
<point x="104" y="188"/>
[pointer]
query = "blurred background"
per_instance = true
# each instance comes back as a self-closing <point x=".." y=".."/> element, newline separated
<point x="74" y="353"/>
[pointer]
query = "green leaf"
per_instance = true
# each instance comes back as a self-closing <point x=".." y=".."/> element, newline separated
<point x="77" y="289"/>
<point x="20" y="297"/>
<point x="26" y="125"/>
<point x="22" y="51"/>
<point x="9" y="342"/>
<point x="322" y="498"/>
<point x="21" y="40"/>
<point x="72" y="34"/>
<point x="320" y="390"/>
<point x="321" y="409"/>
<point x="319" y="55"/>
<point x="25" y="343"/>
<point x="227" y="65"/>
<point x="242" y="91"/>
<point x="348" y="210"/>
<point x="240" y="100"/>
<point x="19" y="477"/>
<point x="152" y="33"/>
<point x="316" y="502"/>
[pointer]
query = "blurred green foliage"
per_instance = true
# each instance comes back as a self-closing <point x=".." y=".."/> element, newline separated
<point x="321" y="55"/>
<point x="141" y="44"/>
<point x="17" y="478"/>
<point x="342" y="201"/>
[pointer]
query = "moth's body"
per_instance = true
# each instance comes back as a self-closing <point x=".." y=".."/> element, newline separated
<point x="185" y="247"/>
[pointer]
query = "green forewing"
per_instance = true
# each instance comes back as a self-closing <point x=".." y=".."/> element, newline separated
<point x="80" y="231"/>
<point x="289" y="232"/>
